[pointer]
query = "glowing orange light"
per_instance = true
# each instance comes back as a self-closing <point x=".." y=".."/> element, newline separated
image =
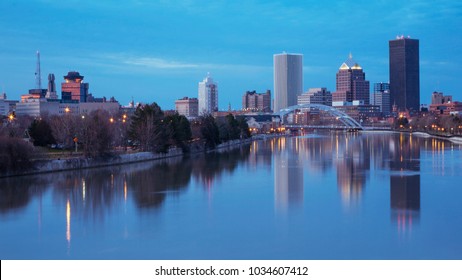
<point x="68" y="221"/>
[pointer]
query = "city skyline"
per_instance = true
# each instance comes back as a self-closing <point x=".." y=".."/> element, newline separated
<point x="126" y="52"/>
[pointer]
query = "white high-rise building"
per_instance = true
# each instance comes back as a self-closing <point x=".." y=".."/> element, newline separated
<point x="208" y="96"/>
<point x="288" y="79"/>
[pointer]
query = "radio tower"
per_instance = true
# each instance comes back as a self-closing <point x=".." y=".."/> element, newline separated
<point x="38" y="76"/>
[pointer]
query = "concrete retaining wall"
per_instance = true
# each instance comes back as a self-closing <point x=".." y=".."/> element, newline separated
<point x="44" y="166"/>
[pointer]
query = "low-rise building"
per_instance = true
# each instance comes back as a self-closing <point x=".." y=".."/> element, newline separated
<point x="446" y="108"/>
<point x="6" y="106"/>
<point x="189" y="107"/>
<point x="256" y="102"/>
<point x="315" y="96"/>
<point x="35" y="106"/>
<point x="358" y="110"/>
<point x="440" y="98"/>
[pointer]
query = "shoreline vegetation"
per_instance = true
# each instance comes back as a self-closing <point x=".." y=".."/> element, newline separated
<point x="75" y="161"/>
<point x="72" y="141"/>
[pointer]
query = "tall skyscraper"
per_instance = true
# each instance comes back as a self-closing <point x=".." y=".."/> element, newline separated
<point x="404" y="73"/>
<point x="351" y="83"/>
<point x="74" y="88"/>
<point x="208" y="96"/>
<point x="288" y="79"/>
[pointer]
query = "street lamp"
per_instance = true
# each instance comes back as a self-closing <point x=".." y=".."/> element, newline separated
<point x="76" y="140"/>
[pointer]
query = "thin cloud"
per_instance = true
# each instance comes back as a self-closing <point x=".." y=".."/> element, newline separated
<point x="143" y="63"/>
<point x="158" y="63"/>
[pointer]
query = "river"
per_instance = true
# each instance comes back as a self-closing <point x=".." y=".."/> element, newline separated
<point x="328" y="195"/>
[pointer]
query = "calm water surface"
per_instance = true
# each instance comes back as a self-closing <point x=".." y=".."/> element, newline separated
<point x="317" y="196"/>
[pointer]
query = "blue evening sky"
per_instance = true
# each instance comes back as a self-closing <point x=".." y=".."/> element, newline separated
<point x="160" y="50"/>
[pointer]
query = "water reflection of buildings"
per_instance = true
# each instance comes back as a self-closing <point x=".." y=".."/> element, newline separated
<point x="318" y="150"/>
<point x="353" y="162"/>
<point x="208" y="169"/>
<point x="405" y="181"/>
<point x="288" y="174"/>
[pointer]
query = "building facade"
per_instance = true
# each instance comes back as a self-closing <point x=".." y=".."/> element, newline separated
<point x="256" y="102"/>
<point x="51" y="91"/>
<point x="351" y="83"/>
<point x="440" y="98"/>
<point x="446" y="109"/>
<point x="381" y="97"/>
<point x="360" y="112"/>
<point x="37" y="107"/>
<point x="6" y="106"/>
<point x="404" y="73"/>
<point x="208" y="96"/>
<point x="444" y="105"/>
<point x="188" y="107"/>
<point x="288" y="79"/>
<point x="316" y="96"/>
<point x="74" y="88"/>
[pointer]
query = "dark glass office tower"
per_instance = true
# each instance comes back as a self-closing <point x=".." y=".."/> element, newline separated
<point x="404" y="73"/>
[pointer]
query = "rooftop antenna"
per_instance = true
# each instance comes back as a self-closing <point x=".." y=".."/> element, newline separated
<point x="38" y="76"/>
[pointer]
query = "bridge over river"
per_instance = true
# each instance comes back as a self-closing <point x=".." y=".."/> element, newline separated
<point x="343" y="120"/>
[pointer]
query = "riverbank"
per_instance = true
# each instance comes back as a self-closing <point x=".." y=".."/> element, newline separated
<point x="75" y="163"/>
<point x="452" y="138"/>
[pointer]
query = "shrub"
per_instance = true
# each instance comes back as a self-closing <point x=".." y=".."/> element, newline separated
<point x="15" y="154"/>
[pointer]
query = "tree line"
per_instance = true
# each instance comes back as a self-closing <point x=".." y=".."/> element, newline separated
<point x="100" y="134"/>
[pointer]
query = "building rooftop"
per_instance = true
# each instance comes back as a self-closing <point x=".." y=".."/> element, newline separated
<point x="73" y="76"/>
<point x="350" y="64"/>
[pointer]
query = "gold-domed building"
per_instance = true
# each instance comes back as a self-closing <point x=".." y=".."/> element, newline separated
<point x="351" y="83"/>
